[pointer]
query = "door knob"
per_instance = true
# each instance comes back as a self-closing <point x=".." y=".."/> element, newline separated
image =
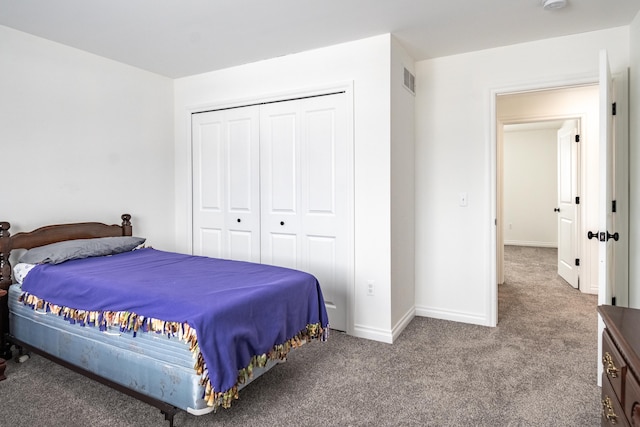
<point x="281" y="222"/>
<point x="556" y="209"/>
<point x="602" y="236"/>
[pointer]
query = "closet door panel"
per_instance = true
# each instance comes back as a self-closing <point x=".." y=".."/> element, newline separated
<point x="321" y="255"/>
<point x="210" y="242"/>
<point x="242" y="215"/>
<point x="283" y="250"/>
<point x="226" y="171"/>
<point x="208" y="156"/>
<point x="240" y="245"/>
<point x="304" y="189"/>
<point x="281" y="158"/>
<point x="241" y="164"/>
<point x="279" y="183"/>
<point x="320" y="167"/>
<point x="324" y="204"/>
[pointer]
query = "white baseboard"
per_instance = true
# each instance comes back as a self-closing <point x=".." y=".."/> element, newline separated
<point x="384" y="335"/>
<point x="455" y="316"/>
<point x="531" y="243"/>
<point x="591" y="290"/>
<point x="402" y="323"/>
<point x="375" y="334"/>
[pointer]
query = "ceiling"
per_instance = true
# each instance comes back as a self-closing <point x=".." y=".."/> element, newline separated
<point x="178" y="38"/>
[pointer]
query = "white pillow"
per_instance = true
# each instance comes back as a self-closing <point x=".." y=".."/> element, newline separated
<point x="20" y="271"/>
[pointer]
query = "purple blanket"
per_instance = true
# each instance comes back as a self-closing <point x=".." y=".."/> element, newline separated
<point x="238" y="309"/>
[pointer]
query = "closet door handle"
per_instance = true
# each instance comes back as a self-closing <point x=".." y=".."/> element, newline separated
<point x="281" y="222"/>
<point x="239" y="220"/>
<point x="556" y="209"/>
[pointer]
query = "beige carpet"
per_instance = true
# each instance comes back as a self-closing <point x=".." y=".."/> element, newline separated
<point x="537" y="368"/>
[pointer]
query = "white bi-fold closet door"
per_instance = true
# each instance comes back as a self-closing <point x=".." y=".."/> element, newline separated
<point x="226" y="183"/>
<point x="271" y="185"/>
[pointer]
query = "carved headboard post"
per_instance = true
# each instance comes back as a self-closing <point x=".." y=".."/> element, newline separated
<point x="5" y="251"/>
<point x="5" y="282"/>
<point x="126" y="225"/>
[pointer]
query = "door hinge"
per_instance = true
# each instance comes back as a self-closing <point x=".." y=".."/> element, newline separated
<point x="577" y="262"/>
<point x="613" y="109"/>
<point x="577" y="138"/>
<point x="577" y="200"/>
<point x="613" y="300"/>
<point x="613" y="206"/>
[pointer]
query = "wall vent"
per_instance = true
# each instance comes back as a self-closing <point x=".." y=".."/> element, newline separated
<point x="409" y="81"/>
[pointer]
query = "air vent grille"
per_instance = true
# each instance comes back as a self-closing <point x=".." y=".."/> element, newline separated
<point x="409" y="81"/>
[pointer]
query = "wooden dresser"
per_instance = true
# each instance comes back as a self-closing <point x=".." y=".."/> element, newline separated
<point x="621" y="364"/>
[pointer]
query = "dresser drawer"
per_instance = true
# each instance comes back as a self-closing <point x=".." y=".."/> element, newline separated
<point x="612" y="413"/>
<point x="632" y="400"/>
<point x="614" y="366"/>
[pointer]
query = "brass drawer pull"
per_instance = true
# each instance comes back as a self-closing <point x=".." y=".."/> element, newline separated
<point x="607" y="411"/>
<point x="609" y="367"/>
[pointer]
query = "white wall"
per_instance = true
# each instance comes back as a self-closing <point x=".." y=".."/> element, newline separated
<point x="402" y="192"/>
<point x="83" y="138"/>
<point x="530" y="187"/>
<point x="634" y="164"/>
<point x="366" y="65"/>
<point x="455" y="152"/>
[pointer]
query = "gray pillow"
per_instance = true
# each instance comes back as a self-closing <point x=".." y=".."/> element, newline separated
<point x="56" y="253"/>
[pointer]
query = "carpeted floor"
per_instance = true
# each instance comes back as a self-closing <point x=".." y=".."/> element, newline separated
<point x="536" y="368"/>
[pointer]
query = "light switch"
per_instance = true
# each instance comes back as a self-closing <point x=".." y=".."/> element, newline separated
<point x="462" y="199"/>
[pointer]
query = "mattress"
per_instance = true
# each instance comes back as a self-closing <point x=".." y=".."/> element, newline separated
<point x="149" y="363"/>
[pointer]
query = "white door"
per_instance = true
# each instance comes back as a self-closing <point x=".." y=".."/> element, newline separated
<point x="304" y="194"/>
<point x="605" y="223"/>
<point x="567" y="206"/>
<point x="605" y="214"/>
<point x="280" y="189"/>
<point x="226" y="182"/>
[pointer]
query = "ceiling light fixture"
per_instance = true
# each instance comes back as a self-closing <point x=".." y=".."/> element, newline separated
<point x="553" y="4"/>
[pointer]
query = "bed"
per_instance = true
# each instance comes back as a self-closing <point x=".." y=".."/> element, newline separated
<point x="176" y="331"/>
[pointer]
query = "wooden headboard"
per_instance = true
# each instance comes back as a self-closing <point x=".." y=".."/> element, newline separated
<point x="52" y="234"/>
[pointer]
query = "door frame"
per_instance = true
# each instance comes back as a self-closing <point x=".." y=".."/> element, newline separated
<point x="496" y="159"/>
<point x="621" y="187"/>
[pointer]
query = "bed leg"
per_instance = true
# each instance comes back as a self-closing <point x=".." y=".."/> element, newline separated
<point x="22" y="356"/>
<point x="3" y="366"/>
<point x="5" y="351"/>
<point x="169" y="417"/>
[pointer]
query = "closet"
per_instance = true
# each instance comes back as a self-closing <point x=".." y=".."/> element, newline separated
<point x="273" y="183"/>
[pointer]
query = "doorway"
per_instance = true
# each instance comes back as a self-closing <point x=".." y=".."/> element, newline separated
<point x="540" y="171"/>
<point x="549" y="106"/>
<point x="540" y="185"/>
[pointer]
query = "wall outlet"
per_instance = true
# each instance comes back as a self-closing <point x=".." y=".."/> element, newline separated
<point x="370" y="288"/>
